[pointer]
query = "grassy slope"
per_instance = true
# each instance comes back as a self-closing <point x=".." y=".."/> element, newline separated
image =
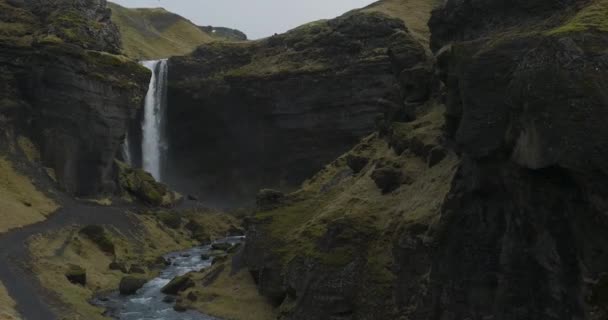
<point x="231" y="294"/>
<point x="415" y="14"/>
<point x="20" y="202"/>
<point x="156" y="33"/>
<point x="358" y="200"/>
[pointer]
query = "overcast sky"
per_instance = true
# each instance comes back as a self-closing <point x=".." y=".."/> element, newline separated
<point x="257" y="18"/>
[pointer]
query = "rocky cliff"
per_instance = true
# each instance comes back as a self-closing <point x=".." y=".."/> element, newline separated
<point x="64" y="89"/>
<point x="274" y="111"/>
<point x="526" y="97"/>
<point x="487" y="206"/>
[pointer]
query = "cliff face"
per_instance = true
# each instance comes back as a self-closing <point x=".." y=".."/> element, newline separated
<point x="488" y="206"/>
<point x="63" y="92"/>
<point x="274" y="111"/>
<point x="522" y="235"/>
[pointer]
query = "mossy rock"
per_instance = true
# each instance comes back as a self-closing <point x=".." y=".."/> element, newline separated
<point x="221" y="246"/>
<point x="129" y="285"/>
<point x="76" y="275"/>
<point x="170" y="219"/>
<point x="356" y="163"/>
<point x="99" y="236"/>
<point x="143" y="186"/>
<point x="178" y="284"/>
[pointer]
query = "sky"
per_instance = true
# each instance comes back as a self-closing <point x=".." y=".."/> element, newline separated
<point x="257" y="18"/>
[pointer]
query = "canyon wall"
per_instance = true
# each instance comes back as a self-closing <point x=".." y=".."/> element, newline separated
<point x="270" y="113"/>
<point x="64" y="88"/>
<point x="488" y="205"/>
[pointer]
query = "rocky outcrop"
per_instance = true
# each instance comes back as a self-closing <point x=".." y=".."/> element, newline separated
<point x="73" y="102"/>
<point x="522" y="228"/>
<point x="270" y="113"/>
<point x="511" y="229"/>
<point x="129" y="285"/>
<point x="142" y="185"/>
<point x="224" y="33"/>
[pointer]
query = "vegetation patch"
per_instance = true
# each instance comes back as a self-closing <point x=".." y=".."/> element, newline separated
<point x="155" y="33"/>
<point x="22" y="204"/>
<point x="225" y="293"/>
<point x="593" y="17"/>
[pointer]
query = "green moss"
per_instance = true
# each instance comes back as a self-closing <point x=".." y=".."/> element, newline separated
<point x="72" y="26"/>
<point x="99" y="236"/>
<point x="593" y="17"/>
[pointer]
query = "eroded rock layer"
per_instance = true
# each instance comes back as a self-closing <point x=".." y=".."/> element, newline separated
<point x="63" y="88"/>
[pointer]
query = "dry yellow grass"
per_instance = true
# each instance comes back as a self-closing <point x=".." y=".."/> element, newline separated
<point x="7" y="306"/>
<point x="415" y="14"/>
<point x="21" y="203"/>
<point x="144" y="37"/>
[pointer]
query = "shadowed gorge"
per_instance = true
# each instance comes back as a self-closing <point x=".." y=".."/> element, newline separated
<point x="410" y="160"/>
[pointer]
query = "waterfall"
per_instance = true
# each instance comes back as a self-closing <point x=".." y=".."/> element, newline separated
<point x="154" y="144"/>
<point x="126" y="151"/>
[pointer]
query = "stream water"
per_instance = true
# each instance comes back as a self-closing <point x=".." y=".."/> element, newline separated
<point x="147" y="303"/>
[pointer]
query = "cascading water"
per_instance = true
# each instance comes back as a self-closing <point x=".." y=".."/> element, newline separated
<point x="154" y="145"/>
<point x="126" y="151"/>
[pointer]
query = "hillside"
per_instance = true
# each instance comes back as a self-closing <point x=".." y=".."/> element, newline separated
<point x="414" y="13"/>
<point x="157" y="33"/>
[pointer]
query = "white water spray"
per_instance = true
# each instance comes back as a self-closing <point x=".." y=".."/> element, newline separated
<point x="154" y="145"/>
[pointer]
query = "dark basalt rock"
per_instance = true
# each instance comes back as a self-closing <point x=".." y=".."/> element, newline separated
<point x="76" y="275"/>
<point x="289" y="104"/>
<point x="73" y="103"/>
<point x="387" y="179"/>
<point x="178" y="284"/>
<point x="137" y="269"/>
<point x="119" y="266"/>
<point x="129" y="285"/>
<point x="521" y="233"/>
<point x="356" y="163"/>
<point x="522" y="226"/>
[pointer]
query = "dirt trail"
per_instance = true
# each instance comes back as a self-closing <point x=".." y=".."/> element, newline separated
<point x="33" y="303"/>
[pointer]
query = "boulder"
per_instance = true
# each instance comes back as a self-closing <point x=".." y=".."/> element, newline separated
<point x="129" y="285"/>
<point x="120" y="266"/>
<point x="222" y="246"/>
<point x="143" y="186"/>
<point x="356" y="163"/>
<point x="436" y="155"/>
<point x="387" y="179"/>
<point x="76" y="275"/>
<point x="178" y="284"/>
<point x="135" y="268"/>
<point x="98" y="235"/>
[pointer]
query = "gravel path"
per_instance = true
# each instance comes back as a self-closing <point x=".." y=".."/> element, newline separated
<point x="33" y="303"/>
